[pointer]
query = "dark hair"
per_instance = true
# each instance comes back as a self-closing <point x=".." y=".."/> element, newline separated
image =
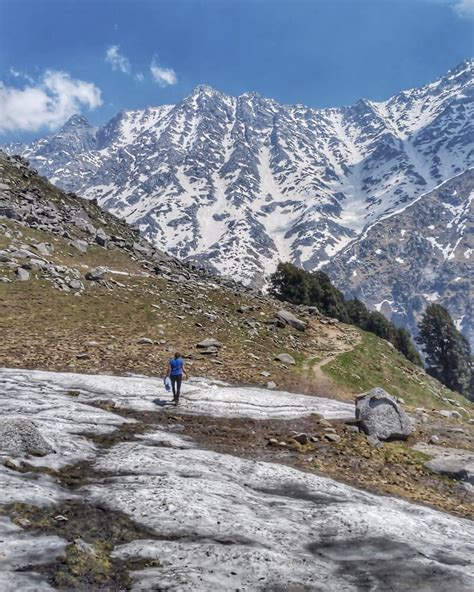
<point x="177" y="355"/>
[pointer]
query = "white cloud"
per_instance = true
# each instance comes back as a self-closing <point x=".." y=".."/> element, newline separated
<point x="117" y="60"/>
<point x="139" y="76"/>
<point x="48" y="104"/>
<point x="464" y="8"/>
<point x="163" y="76"/>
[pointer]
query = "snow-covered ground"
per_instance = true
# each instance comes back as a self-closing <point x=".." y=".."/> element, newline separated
<point x="220" y="522"/>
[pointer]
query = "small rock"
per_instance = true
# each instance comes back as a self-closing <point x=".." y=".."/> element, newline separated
<point x="434" y="439"/>
<point x="286" y="359"/>
<point x="145" y="341"/>
<point x="80" y="245"/>
<point x="352" y="429"/>
<point x="96" y="274"/>
<point x="22" y="274"/>
<point x="83" y="356"/>
<point x="271" y="385"/>
<point x="290" y="319"/>
<point x="301" y="438"/>
<point x="332" y="437"/>
<point x="207" y="343"/>
<point x="61" y="518"/>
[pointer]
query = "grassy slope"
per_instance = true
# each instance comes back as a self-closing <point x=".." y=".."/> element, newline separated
<point x="375" y="362"/>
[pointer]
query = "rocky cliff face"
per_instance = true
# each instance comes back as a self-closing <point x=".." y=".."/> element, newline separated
<point x="243" y="182"/>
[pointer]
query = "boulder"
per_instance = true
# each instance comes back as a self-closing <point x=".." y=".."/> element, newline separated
<point x="454" y="463"/>
<point x="380" y="416"/>
<point x="96" y="274"/>
<point x="20" y="437"/>
<point x="286" y="359"/>
<point x="290" y="319"/>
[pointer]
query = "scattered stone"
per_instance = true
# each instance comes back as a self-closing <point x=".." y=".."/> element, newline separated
<point x="21" y="437"/>
<point x="324" y="423"/>
<point x="22" y="274"/>
<point x="271" y="385"/>
<point x="101" y="238"/>
<point x="380" y="416"/>
<point x="333" y="437"/>
<point x="313" y="310"/>
<point x="76" y="285"/>
<point x="209" y="343"/>
<point x="83" y="356"/>
<point x="44" y="249"/>
<point x="96" y="274"/>
<point x="352" y="429"/>
<point x="145" y="341"/>
<point x="290" y="319"/>
<point x="301" y="438"/>
<point x="61" y="518"/>
<point x="434" y="439"/>
<point x="80" y="245"/>
<point x="450" y="414"/>
<point x="285" y="359"/>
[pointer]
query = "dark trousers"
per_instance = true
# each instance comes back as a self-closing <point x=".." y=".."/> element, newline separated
<point x="176" y="385"/>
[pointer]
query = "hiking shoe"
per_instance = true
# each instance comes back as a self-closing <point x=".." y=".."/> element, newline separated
<point x="176" y="402"/>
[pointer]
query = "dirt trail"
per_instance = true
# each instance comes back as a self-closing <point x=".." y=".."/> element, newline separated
<point x="316" y="381"/>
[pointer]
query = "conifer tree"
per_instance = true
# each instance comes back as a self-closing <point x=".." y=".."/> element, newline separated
<point x="447" y="351"/>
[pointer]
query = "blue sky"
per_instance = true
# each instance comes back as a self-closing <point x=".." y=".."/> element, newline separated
<point x="53" y="53"/>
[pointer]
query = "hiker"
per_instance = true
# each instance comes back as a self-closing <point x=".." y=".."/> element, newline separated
<point x="175" y="372"/>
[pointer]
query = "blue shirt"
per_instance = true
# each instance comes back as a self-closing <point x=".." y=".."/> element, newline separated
<point x="177" y="365"/>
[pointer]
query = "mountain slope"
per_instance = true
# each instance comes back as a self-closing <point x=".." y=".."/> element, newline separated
<point x="242" y="182"/>
<point x="421" y="254"/>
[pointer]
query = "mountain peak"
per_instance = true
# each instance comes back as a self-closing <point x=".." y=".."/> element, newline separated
<point x="76" y="121"/>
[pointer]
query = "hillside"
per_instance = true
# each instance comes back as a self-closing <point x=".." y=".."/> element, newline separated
<point x="132" y="493"/>
<point x="57" y="319"/>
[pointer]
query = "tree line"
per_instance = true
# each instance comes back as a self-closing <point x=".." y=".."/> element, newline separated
<point x="447" y="351"/>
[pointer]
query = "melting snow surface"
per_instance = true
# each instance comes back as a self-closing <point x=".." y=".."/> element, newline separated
<point x="219" y="522"/>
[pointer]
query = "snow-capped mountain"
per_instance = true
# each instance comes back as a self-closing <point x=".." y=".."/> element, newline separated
<point x="242" y="182"/>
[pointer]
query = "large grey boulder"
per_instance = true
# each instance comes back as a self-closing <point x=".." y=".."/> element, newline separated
<point x="20" y="437"/>
<point x="290" y="319"/>
<point x="380" y="416"/>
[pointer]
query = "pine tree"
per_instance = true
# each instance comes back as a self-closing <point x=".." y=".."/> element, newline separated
<point x="447" y="351"/>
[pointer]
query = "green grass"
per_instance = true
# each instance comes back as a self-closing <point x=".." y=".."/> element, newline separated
<point x="375" y="363"/>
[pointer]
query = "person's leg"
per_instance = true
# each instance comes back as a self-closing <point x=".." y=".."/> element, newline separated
<point x="173" y="386"/>
<point x="179" y="380"/>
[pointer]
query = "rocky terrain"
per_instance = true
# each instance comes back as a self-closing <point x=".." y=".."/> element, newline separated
<point x="263" y="478"/>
